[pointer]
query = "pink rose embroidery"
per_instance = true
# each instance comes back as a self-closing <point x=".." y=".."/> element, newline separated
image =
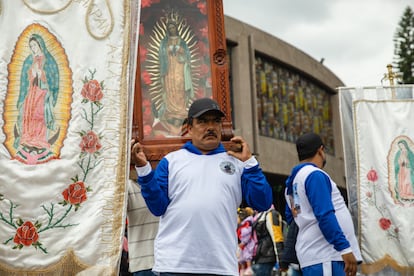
<point x="76" y="193"/>
<point x="90" y="142"/>
<point x="372" y="175"/>
<point x="384" y="223"/>
<point x="92" y="91"/>
<point x="26" y="234"/>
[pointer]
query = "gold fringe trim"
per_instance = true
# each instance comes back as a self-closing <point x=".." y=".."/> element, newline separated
<point x="384" y="262"/>
<point x="123" y="161"/>
<point x="69" y="265"/>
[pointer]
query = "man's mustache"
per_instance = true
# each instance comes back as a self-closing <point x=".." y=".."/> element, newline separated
<point x="210" y="133"/>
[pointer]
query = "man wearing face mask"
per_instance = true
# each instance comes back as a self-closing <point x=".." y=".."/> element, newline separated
<point x="326" y="243"/>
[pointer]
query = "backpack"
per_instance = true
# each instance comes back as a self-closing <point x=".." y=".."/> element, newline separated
<point x="268" y="231"/>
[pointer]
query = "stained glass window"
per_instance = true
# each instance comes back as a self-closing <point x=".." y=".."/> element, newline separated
<point x="290" y="104"/>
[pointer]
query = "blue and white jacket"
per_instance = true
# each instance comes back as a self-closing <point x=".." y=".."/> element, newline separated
<point x="326" y="230"/>
<point x="197" y="196"/>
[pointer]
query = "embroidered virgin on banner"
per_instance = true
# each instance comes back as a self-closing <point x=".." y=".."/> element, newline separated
<point x="64" y="120"/>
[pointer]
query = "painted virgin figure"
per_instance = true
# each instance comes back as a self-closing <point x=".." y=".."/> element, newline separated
<point x="39" y="86"/>
<point x="404" y="171"/>
<point x="174" y="65"/>
<point x="176" y="79"/>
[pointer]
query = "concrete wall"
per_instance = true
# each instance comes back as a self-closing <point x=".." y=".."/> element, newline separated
<point x="275" y="156"/>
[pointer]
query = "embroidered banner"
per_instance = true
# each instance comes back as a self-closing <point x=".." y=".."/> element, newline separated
<point x="379" y="158"/>
<point x="64" y="127"/>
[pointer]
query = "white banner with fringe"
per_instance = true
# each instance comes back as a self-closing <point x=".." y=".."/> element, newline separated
<point x="64" y="132"/>
<point x="378" y="139"/>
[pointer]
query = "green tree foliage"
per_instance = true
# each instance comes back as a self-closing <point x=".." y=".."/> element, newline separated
<point x="404" y="47"/>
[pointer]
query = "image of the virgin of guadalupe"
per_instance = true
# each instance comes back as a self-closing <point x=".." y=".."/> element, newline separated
<point x="37" y="105"/>
<point x="173" y="64"/>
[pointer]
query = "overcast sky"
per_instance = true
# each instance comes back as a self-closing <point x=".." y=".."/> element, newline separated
<point x="355" y="37"/>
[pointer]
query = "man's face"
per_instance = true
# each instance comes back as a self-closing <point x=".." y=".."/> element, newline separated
<point x="205" y="131"/>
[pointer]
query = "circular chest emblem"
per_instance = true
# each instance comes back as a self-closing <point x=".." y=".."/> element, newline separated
<point x="227" y="167"/>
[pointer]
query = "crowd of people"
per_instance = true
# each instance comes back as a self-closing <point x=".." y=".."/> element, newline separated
<point x="197" y="193"/>
<point x="261" y="239"/>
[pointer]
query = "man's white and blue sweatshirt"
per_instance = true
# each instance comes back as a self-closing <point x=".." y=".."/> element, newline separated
<point x="326" y="230"/>
<point x="197" y="196"/>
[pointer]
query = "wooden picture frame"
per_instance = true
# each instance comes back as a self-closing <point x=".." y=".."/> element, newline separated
<point x="181" y="57"/>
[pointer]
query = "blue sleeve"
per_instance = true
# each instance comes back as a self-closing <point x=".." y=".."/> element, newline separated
<point x="255" y="189"/>
<point x="154" y="188"/>
<point x="318" y="190"/>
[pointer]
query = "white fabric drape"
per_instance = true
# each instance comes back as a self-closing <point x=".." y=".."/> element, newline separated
<point x="377" y="132"/>
<point x="65" y="105"/>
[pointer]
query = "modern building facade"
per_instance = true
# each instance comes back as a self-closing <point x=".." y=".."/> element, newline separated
<point x="279" y="92"/>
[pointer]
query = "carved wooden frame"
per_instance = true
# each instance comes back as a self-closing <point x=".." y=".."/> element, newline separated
<point x="157" y="147"/>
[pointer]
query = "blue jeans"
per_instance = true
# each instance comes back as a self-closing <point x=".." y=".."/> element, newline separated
<point x="147" y="272"/>
<point x="264" y="269"/>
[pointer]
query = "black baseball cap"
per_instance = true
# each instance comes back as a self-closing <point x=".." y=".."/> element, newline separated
<point x="201" y="106"/>
<point x="307" y="145"/>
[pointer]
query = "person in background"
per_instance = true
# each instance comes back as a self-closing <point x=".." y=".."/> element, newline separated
<point x="289" y="261"/>
<point x="142" y="229"/>
<point x="196" y="191"/>
<point x="268" y="226"/>
<point x="247" y="241"/>
<point x="326" y="242"/>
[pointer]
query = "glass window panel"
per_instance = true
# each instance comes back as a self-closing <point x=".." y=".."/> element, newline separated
<point x="290" y="104"/>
